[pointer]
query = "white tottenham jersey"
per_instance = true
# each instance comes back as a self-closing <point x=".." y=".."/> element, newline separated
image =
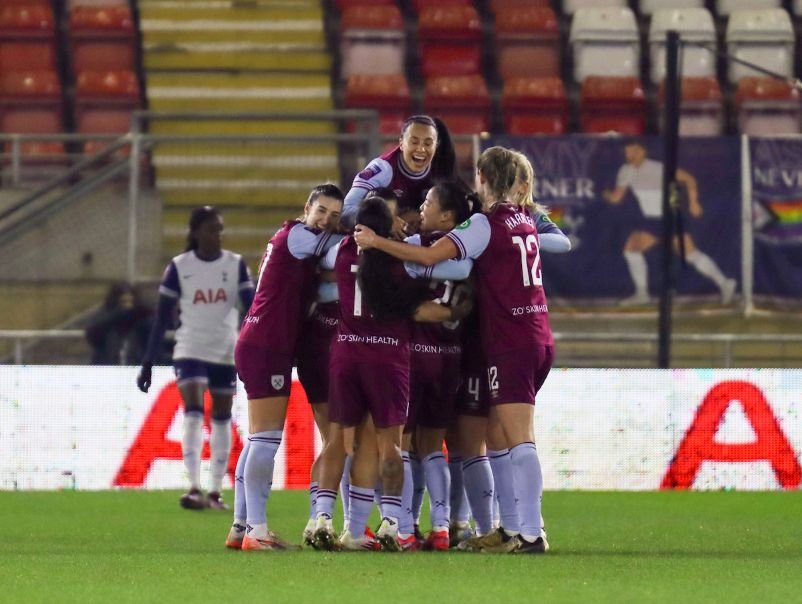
<point x="208" y="293"/>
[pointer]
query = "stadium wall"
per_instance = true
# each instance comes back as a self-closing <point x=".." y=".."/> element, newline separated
<point x="606" y="429"/>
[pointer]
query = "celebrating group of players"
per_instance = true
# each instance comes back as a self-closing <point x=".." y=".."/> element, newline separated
<point x="427" y="320"/>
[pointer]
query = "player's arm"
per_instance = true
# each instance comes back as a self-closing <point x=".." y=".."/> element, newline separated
<point x="246" y="288"/>
<point x="304" y="241"/>
<point x="616" y="195"/>
<point x="169" y="292"/>
<point x="692" y="187"/>
<point x="378" y="173"/>
<point x="551" y="237"/>
<point x="441" y="250"/>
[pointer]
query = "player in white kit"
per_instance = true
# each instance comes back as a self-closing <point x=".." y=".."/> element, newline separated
<point x="209" y="285"/>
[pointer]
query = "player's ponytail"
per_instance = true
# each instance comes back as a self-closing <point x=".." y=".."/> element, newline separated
<point x="385" y="296"/>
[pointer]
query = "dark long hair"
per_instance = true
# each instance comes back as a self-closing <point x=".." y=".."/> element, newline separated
<point x="454" y="196"/>
<point x="385" y="296"/>
<point x="196" y="218"/>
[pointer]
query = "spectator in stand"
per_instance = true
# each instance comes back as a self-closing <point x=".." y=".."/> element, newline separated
<point x="207" y="283"/>
<point x="118" y="331"/>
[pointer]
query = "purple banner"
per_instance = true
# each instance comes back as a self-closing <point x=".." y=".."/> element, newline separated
<point x="606" y="193"/>
<point x="777" y="219"/>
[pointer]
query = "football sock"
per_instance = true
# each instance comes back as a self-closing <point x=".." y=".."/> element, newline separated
<point x="259" y="474"/>
<point x="220" y="450"/>
<point x="359" y="510"/>
<point x="438" y="483"/>
<point x="638" y="270"/>
<point x="391" y="507"/>
<point x="480" y="489"/>
<point x="345" y="482"/>
<point x="528" y="483"/>
<point x="460" y="511"/>
<point x="326" y="498"/>
<point x="501" y="466"/>
<point x="706" y="266"/>
<point x="192" y="445"/>
<point x="405" y="522"/>
<point x="313" y="488"/>
<point x="240" y="513"/>
<point x="418" y="486"/>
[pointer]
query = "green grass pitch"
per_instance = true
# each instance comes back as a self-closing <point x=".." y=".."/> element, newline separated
<point x="139" y="546"/>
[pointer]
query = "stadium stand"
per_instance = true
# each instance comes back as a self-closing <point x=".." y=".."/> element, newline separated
<point x="535" y="106"/>
<point x="648" y="7"/>
<point x="372" y="41"/>
<point x="763" y="37"/>
<point x="527" y="42"/>
<point x="701" y="107"/>
<point x="570" y="7"/>
<point x="389" y="95"/>
<point x="463" y="102"/>
<point x="450" y="40"/>
<point x="231" y="58"/>
<point x="31" y="91"/>
<point x="727" y="7"/>
<point x="605" y="42"/>
<point x="613" y="104"/>
<point x="767" y="106"/>
<point x="694" y="25"/>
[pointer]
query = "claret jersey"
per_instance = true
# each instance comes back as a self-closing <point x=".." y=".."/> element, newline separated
<point x="286" y="286"/>
<point x="509" y="283"/>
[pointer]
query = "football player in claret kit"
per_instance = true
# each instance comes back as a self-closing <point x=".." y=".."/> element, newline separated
<point x="207" y="283"/>
<point x="515" y="331"/>
<point x="370" y="380"/>
<point x="265" y="350"/>
<point x="424" y="156"/>
<point x="435" y="368"/>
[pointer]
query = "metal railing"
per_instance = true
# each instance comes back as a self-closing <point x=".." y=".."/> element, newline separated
<point x="728" y="341"/>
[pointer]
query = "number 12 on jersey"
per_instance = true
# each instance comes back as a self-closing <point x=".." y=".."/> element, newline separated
<point x="534" y="275"/>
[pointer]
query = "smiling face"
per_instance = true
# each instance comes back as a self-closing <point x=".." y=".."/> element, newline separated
<point x="433" y="218"/>
<point x="418" y="145"/>
<point x="323" y="213"/>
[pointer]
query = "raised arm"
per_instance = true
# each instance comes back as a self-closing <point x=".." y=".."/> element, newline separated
<point x="443" y="248"/>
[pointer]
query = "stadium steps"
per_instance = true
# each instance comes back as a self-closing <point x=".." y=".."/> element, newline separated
<point x="237" y="57"/>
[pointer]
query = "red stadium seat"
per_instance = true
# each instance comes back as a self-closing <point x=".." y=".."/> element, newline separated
<point x="701" y="109"/>
<point x="419" y="5"/>
<point x="96" y="20"/>
<point x="497" y="6"/>
<point x="30" y="85"/>
<point x="767" y="106"/>
<point x="100" y="120"/>
<point x="463" y="103"/>
<point x="31" y="55"/>
<point x="27" y="21"/>
<point x="535" y="106"/>
<point x="102" y="38"/>
<point x="450" y="40"/>
<point x="389" y="95"/>
<point x="119" y="85"/>
<point x="372" y="41"/>
<point x="612" y="104"/>
<point x="527" y="42"/>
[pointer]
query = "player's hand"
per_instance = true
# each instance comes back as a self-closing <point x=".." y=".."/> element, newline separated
<point x="365" y="237"/>
<point x="145" y="376"/>
<point x="695" y="209"/>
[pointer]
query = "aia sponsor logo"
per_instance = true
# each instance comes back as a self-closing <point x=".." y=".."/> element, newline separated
<point x="209" y="296"/>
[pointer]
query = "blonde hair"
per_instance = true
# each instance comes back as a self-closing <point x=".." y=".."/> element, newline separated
<point x="525" y="173"/>
<point x="499" y="167"/>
